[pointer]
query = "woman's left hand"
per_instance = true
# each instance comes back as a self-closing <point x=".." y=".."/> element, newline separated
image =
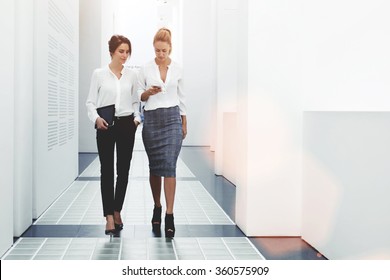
<point x="184" y="125"/>
<point x="184" y="129"/>
<point x="136" y="123"/>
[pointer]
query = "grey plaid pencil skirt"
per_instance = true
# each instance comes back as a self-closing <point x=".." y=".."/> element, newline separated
<point x="162" y="136"/>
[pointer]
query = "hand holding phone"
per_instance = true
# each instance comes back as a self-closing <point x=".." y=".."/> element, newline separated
<point x="156" y="89"/>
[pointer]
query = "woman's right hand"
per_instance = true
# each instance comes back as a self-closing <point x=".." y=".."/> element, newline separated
<point x="101" y="124"/>
<point x="150" y="91"/>
<point x="154" y="89"/>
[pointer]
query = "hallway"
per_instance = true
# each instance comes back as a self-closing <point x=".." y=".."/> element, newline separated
<point x="292" y="99"/>
<point x="72" y="228"/>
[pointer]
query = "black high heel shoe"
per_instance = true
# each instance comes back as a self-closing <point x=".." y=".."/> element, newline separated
<point x="110" y="232"/>
<point x="169" y="226"/>
<point x="156" y="219"/>
<point x="118" y="227"/>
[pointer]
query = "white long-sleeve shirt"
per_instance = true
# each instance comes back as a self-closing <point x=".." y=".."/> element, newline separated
<point x="172" y="89"/>
<point x="107" y="89"/>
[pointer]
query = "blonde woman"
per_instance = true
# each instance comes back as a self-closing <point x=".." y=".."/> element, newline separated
<point x="160" y="86"/>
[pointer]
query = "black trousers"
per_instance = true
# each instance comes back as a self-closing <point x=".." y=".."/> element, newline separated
<point x="121" y="135"/>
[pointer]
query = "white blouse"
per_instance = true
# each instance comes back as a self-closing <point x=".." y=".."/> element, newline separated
<point x="107" y="89"/>
<point x="172" y="89"/>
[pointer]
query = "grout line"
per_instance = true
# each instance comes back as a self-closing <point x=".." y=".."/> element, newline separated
<point x="216" y="203"/>
<point x="147" y="249"/>
<point x="70" y="205"/>
<point x="200" y="205"/>
<point x="174" y="249"/>
<point x="227" y="247"/>
<point x="66" y="249"/>
<point x="89" y="205"/>
<point x="120" y="249"/>
<point x="94" y="248"/>
<point x="40" y="247"/>
<point x="54" y="202"/>
<point x="201" y="249"/>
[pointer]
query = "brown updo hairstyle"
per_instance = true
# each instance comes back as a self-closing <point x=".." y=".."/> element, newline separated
<point x="116" y="41"/>
<point x="163" y="35"/>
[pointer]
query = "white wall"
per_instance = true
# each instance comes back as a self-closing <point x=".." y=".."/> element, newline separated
<point x="23" y="150"/>
<point x="152" y="14"/>
<point x="56" y="65"/>
<point x="346" y="59"/>
<point x="241" y="175"/>
<point x="311" y="56"/>
<point x="39" y="87"/>
<point x="346" y="184"/>
<point x="228" y="47"/>
<point x="107" y="25"/>
<point x="302" y="56"/>
<point x="198" y="20"/>
<point x="269" y="184"/>
<point x="90" y="59"/>
<point x="7" y="27"/>
<point x="345" y="81"/>
<point x="230" y="155"/>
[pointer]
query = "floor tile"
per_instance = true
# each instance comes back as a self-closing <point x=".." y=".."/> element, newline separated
<point x="72" y="228"/>
<point x="130" y="248"/>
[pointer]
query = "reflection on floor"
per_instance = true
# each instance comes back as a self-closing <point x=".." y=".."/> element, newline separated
<point x="73" y="226"/>
<point x="179" y="248"/>
<point x="81" y="204"/>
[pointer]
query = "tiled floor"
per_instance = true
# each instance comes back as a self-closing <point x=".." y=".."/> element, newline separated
<point x="73" y="226"/>
<point x="179" y="248"/>
<point x="81" y="204"/>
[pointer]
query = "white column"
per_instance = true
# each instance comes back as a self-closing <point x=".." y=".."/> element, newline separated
<point x="23" y="149"/>
<point x="90" y="58"/>
<point x="7" y="27"/>
<point x="198" y="69"/>
<point x="227" y="54"/>
<point x="270" y="119"/>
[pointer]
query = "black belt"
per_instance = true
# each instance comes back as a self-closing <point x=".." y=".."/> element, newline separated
<point x="124" y="117"/>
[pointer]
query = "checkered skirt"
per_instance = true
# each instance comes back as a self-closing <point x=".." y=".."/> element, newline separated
<point x="162" y="136"/>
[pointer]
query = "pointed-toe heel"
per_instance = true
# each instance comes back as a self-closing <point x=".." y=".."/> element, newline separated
<point x="169" y="226"/>
<point x="156" y="219"/>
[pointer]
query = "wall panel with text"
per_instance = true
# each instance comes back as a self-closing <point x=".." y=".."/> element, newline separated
<point x="55" y="99"/>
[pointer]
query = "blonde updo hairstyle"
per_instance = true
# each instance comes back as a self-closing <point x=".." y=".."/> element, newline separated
<point x="163" y="35"/>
